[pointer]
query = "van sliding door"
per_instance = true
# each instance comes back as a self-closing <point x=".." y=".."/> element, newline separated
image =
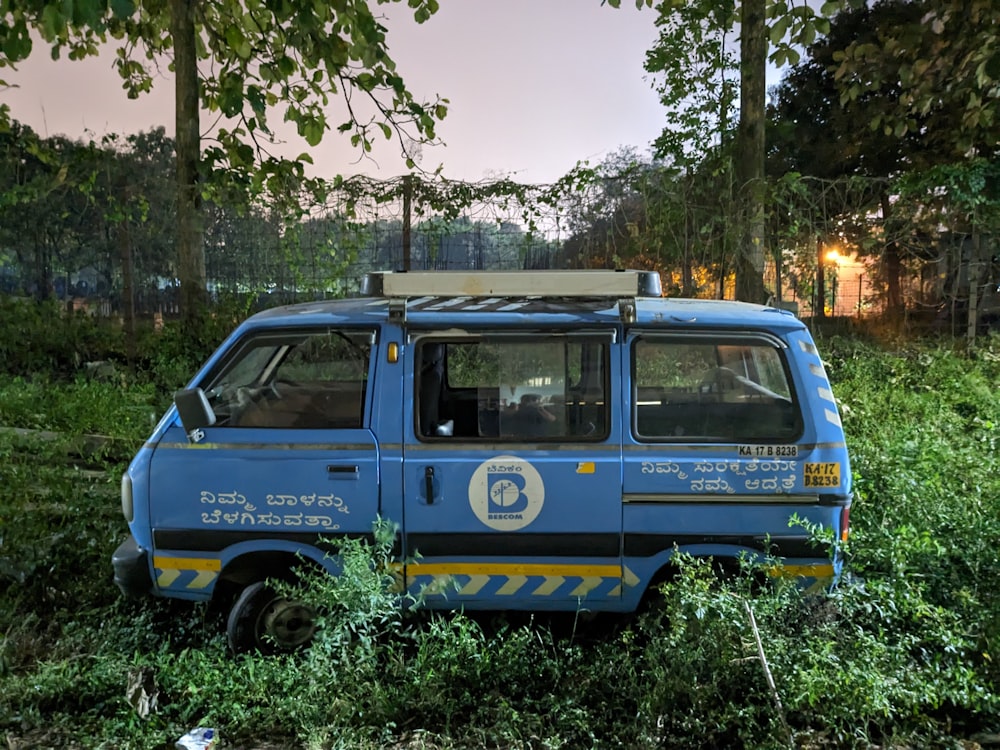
<point x="512" y="470"/>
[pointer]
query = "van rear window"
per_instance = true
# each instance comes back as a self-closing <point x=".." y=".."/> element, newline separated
<point x="703" y="390"/>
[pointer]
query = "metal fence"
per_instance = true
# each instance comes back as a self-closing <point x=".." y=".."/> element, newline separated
<point x="263" y="260"/>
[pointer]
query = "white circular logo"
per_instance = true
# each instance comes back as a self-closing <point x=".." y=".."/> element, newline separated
<point x="506" y="493"/>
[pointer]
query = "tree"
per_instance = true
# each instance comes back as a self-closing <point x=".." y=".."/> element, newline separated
<point x="84" y="219"/>
<point x="945" y="60"/>
<point x="292" y="54"/>
<point x="605" y="219"/>
<point x="47" y="219"/>
<point x="699" y="92"/>
<point x="848" y="110"/>
<point x="811" y="130"/>
<point x="697" y="88"/>
<point x="789" y="26"/>
<point x="146" y="183"/>
<point x="964" y="196"/>
<point x="813" y="133"/>
<point x="137" y="207"/>
<point x="749" y="149"/>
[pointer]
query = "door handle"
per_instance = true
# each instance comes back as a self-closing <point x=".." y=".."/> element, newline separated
<point x="343" y="471"/>
<point x="429" y="484"/>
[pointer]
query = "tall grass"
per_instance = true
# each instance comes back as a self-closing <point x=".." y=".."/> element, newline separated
<point x="905" y="653"/>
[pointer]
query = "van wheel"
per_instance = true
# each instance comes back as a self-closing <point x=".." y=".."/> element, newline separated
<point x="263" y="620"/>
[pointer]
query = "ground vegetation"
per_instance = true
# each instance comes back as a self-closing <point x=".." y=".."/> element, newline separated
<point x="903" y="653"/>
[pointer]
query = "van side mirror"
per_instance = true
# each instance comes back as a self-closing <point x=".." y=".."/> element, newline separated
<point x="195" y="412"/>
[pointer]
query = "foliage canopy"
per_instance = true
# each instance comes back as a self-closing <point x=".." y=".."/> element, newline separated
<point x="292" y="55"/>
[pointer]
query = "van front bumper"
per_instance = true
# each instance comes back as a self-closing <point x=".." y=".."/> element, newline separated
<point x="131" y="566"/>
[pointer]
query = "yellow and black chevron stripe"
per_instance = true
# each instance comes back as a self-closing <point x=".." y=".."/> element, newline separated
<point x="519" y="579"/>
<point x="194" y="573"/>
<point x="811" y="578"/>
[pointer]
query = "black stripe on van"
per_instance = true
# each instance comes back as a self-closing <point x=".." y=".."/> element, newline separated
<point x="210" y="540"/>
<point x="648" y="545"/>
<point x="514" y="545"/>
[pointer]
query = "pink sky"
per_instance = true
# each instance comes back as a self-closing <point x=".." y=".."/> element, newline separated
<point x="535" y="86"/>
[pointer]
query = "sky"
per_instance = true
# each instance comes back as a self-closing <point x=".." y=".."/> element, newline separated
<point x="534" y="87"/>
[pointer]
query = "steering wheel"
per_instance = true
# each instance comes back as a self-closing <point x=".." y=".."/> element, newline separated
<point x="717" y="381"/>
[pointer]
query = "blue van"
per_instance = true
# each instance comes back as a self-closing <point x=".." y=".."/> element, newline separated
<point x="543" y="440"/>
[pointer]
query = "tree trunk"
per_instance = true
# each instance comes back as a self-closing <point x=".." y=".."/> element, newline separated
<point x="128" y="280"/>
<point x="190" y="234"/>
<point x="407" y="200"/>
<point x="893" y="266"/>
<point x="44" y="288"/>
<point x="687" y="262"/>
<point x="819" y="307"/>
<point x="975" y="285"/>
<point x="749" y="164"/>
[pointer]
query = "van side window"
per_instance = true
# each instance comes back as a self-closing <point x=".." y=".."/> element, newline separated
<point x="708" y="391"/>
<point x="516" y="390"/>
<point x="295" y="379"/>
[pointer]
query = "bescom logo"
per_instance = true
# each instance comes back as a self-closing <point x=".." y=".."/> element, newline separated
<point x="506" y="493"/>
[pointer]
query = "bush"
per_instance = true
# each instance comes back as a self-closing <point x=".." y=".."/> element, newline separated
<point x="42" y="337"/>
<point x="903" y="653"/>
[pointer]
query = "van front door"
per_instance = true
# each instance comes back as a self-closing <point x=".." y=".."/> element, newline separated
<point x="512" y="471"/>
<point x="289" y="459"/>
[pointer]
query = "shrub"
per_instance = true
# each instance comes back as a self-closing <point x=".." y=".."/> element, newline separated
<point x="43" y="337"/>
<point x="903" y="654"/>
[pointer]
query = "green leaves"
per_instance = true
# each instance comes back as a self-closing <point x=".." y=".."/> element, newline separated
<point x="238" y="43"/>
<point x="693" y="65"/>
<point x="15" y="41"/>
<point x="304" y="54"/>
<point x="941" y="66"/>
<point x="300" y="53"/>
<point x="779" y="28"/>
<point x="312" y="130"/>
<point x="639" y="4"/>
<point x="783" y="56"/>
<point x="423" y="9"/>
<point x="796" y="26"/>
<point x="122" y="8"/>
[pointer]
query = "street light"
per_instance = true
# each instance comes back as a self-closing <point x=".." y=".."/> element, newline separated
<point x="833" y="259"/>
<point x="822" y="259"/>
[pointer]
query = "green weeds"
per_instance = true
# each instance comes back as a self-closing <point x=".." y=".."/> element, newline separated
<point x="904" y="653"/>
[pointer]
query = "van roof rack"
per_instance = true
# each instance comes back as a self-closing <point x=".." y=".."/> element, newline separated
<point x="545" y="283"/>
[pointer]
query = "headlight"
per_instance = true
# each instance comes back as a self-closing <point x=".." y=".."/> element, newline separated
<point x="127" y="497"/>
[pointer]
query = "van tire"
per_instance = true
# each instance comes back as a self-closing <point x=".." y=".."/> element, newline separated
<point x="263" y="620"/>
